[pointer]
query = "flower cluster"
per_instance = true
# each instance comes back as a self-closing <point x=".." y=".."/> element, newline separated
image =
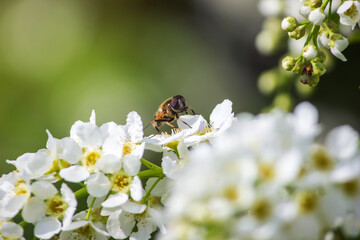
<point x="316" y="31"/>
<point x="267" y="178"/>
<point x="104" y="162"/>
<point x="244" y="177"/>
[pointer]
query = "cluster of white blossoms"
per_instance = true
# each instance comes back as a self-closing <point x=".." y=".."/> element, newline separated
<point x="267" y="178"/>
<point x="244" y="177"/>
<point x="316" y="29"/>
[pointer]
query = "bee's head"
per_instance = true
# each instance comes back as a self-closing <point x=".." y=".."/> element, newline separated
<point x="178" y="104"/>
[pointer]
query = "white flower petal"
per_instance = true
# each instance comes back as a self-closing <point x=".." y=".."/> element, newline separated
<point x="338" y="54"/>
<point x="115" y="200"/>
<point x="87" y="134"/>
<point x="342" y="142"/>
<point x="98" y="185"/>
<point x="119" y="225"/>
<point x="93" y="117"/>
<point x="221" y="114"/>
<point x="11" y="230"/>
<point x="33" y="210"/>
<point x="47" y="228"/>
<point x="34" y="165"/>
<point x="288" y="166"/>
<point x="75" y="225"/>
<point x="144" y="231"/>
<point x="136" y="189"/>
<point x="134" y="208"/>
<point x="170" y="167"/>
<point x="43" y="189"/>
<point x="134" y="127"/>
<point x="113" y="145"/>
<point x="160" y="188"/>
<point x="71" y="151"/>
<point x="132" y="162"/>
<point x="108" y="163"/>
<point x="317" y="16"/>
<point x="74" y="173"/>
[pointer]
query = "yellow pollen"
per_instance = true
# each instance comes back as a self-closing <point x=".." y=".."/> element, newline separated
<point x="322" y="160"/>
<point x="90" y="160"/>
<point x="307" y="201"/>
<point x="261" y="209"/>
<point x="231" y="193"/>
<point x="21" y="188"/>
<point x="350" y="188"/>
<point x="128" y="147"/>
<point x="56" y="206"/>
<point x="121" y="182"/>
<point x="205" y="130"/>
<point x="266" y="171"/>
<point x="351" y="12"/>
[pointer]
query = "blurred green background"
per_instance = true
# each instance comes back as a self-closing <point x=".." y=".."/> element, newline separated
<point x="61" y="59"/>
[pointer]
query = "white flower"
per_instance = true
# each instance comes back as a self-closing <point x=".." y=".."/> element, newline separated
<point x="305" y="11"/>
<point x="47" y="207"/>
<point x="317" y="16"/>
<point x="120" y="183"/>
<point x="323" y="40"/>
<point x="349" y="13"/>
<point x="34" y="165"/>
<point x="14" y="192"/>
<point x="309" y="52"/>
<point x="221" y="119"/>
<point x="81" y="229"/>
<point x="146" y="219"/>
<point x="107" y="148"/>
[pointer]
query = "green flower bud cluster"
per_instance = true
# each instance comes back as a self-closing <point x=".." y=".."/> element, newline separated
<point x="310" y="68"/>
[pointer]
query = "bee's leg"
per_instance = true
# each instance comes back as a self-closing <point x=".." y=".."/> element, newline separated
<point x="192" y="110"/>
<point x="184" y="122"/>
<point x="170" y="124"/>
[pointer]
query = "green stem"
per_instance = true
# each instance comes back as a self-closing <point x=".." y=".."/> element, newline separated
<point x="327" y="28"/>
<point x="149" y="164"/>
<point x="151" y="188"/>
<point x="304" y="23"/>
<point x="150" y="173"/>
<point x="323" y="6"/>
<point x="89" y="211"/>
<point x="329" y="13"/>
<point x="81" y="193"/>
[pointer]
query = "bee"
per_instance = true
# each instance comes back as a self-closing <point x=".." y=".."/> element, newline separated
<point x="170" y="110"/>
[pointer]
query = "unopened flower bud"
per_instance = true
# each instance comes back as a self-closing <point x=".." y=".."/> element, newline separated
<point x="309" y="52"/>
<point x="305" y="10"/>
<point x="298" y="68"/>
<point x="318" y="68"/>
<point x="298" y="33"/>
<point x="289" y="24"/>
<point x="288" y="63"/>
<point x="283" y="101"/>
<point x="267" y="82"/>
<point x="317" y="16"/>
